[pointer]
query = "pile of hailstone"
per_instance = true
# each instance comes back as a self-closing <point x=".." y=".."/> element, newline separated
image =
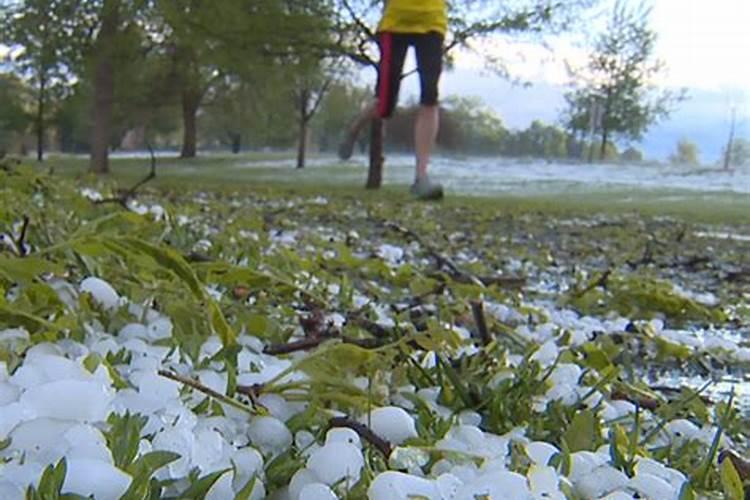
<point x="52" y="407"/>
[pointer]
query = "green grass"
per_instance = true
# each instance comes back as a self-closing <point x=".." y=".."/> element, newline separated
<point x="227" y="173"/>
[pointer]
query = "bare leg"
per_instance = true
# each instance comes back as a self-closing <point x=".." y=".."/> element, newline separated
<point x="368" y="114"/>
<point x="425" y="135"/>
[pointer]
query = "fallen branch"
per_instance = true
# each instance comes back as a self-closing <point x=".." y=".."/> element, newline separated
<point x="128" y="194"/>
<point x="20" y="242"/>
<point x="442" y="260"/>
<point x="365" y="433"/>
<point x="194" y="384"/>
<point x="477" y="308"/>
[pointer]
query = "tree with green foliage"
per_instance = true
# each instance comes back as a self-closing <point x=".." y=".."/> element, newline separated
<point x="38" y="32"/>
<point x="739" y="155"/>
<point x="615" y="96"/>
<point x="632" y="155"/>
<point x="469" y="22"/>
<point x="686" y="153"/>
<point x="14" y="120"/>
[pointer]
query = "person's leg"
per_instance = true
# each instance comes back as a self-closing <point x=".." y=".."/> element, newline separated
<point x="429" y="48"/>
<point x="393" y="47"/>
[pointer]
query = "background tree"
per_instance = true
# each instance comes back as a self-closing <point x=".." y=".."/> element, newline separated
<point x="614" y="95"/>
<point x="14" y="120"/>
<point x="39" y="31"/>
<point x="686" y="153"/>
<point x="739" y="156"/>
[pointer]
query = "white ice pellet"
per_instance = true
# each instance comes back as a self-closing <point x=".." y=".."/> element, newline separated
<point x="506" y="485"/>
<point x="545" y="483"/>
<point x="277" y="406"/>
<point x="70" y="400"/>
<point x="540" y="452"/>
<point x="269" y="435"/>
<point x="393" y="424"/>
<point x="101" y="291"/>
<point x="10" y="490"/>
<point x="221" y="489"/>
<point x="300" y="479"/>
<point x="393" y="485"/>
<point x="601" y="481"/>
<point x="101" y="480"/>
<point x="650" y="486"/>
<point x="248" y="462"/>
<point x="133" y="331"/>
<point x="337" y="462"/>
<point x="649" y="466"/>
<point x="8" y="393"/>
<point x="317" y="491"/>
<point x="343" y="435"/>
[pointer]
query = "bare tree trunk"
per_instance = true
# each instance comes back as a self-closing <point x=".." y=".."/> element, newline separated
<point x="603" y="148"/>
<point x="730" y="142"/>
<point x="190" y="104"/>
<point x="304" y="133"/>
<point x="40" y="118"/>
<point x="104" y="88"/>
<point x="375" y="173"/>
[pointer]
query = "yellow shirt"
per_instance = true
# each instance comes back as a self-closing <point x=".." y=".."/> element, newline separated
<point x="415" y="16"/>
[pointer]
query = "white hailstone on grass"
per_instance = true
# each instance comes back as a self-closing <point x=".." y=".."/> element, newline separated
<point x="566" y="373"/>
<point x="506" y="485"/>
<point x="303" y="439"/>
<point x="300" y="479"/>
<point x="101" y="480"/>
<point x="39" y="439"/>
<point x="540" y="452"/>
<point x="153" y="385"/>
<point x="269" y="435"/>
<point x="601" y="481"/>
<point x="21" y="475"/>
<point x="392" y="485"/>
<point x="101" y="291"/>
<point x="545" y="483"/>
<point x="210" y="451"/>
<point x="221" y="489"/>
<point x="317" y="491"/>
<point x="393" y="424"/>
<point x="682" y="430"/>
<point x="336" y="462"/>
<point x="70" y="400"/>
<point x="133" y="331"/>
<point x="448" y="485"/>
<point x="214" y="380"/>
<point x="468" y="417"/>
<point x="10" y="490"/>
<point x="9" y="393"/>
<point x="584" y="462"/>
<point x="277" y="406"/>
<point x="177" y="440"/>
<point x="343" y="435"/>
<point x="650" y="486"/>
<point x="546" y="354"/>
<point x="649" y="466"/>
<point x="87" y="442"/>
<point x="618" y="495"/>
<point x="390" y="253"/>
<point x="247" y="462"/>
<point x="11" y="415"/>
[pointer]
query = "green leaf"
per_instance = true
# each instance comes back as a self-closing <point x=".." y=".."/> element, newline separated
<point x="199" y="489"/>
<point x="123" y="437"/>
<point x="142" y="470"/>
<point x="220" y="325"/>
<point x="247" y="490"/>
<point x="24" y="270"/>
<point x="583" y="433"/>
<point x="731" y="482"/>
<point x="15" y="318"/>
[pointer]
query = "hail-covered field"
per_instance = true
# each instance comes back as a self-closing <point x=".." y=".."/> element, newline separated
<point x="260" y="344"/>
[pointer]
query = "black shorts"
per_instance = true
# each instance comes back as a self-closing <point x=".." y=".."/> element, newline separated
<point x="393" y="47"/>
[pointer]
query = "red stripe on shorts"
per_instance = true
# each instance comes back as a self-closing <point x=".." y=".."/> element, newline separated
<point x="386" y="61"/>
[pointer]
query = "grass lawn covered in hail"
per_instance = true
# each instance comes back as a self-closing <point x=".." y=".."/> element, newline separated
<point x="220" y="341"/>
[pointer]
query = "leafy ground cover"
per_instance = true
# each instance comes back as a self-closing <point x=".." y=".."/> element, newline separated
<point x="211" y="341"/>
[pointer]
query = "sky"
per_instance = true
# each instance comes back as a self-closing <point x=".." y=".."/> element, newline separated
<point x="705" y="44"/>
